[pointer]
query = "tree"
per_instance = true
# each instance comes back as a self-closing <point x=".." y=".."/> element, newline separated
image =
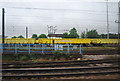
<point x="73" y="33"/>
<point x="65" y="35"/>
<point x="92" y="34"/>
<point x="42" y="36"/>
<point x="83" y="35"/>
<point x="14" y="37"/>
<point x="111" y="35"/>
<point x="20" y="36"/>
<point x="34" y="36"/>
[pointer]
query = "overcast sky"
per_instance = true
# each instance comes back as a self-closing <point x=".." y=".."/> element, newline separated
<point x="65" y="14"/>
<point x="56" y="0"/>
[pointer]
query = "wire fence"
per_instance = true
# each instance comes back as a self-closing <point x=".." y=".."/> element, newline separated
<point x="42" y="48"/>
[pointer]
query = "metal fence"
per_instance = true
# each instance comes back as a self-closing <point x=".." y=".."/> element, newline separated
<point x="42" y="48"/>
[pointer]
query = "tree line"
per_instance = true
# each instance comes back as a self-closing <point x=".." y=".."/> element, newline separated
<point x="33" y="36"/>
<point x="89" y="34"/>
<point x="73" y="34"/>
<point x="94" y="34"/>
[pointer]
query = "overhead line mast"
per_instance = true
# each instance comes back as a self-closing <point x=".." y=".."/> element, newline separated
<point x="26" y="32"/>
<point x="3" y="29"/>
<point x="107" y="19"/>
<point x="3" y="25"/>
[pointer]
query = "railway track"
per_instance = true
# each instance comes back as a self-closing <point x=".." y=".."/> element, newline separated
<point x="25" y="70"/>
<point x="59" y="75"/>
<point x="33" y="70"/>
<point x="58" y="64"/>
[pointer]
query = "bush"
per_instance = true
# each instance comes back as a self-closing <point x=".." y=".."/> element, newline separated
<point x="56" y="54"/>
<point x="59" y="54"/>
<point x="32" y="57"/>
<point x="23" y="58"/>
<point x="19" y="57"/>
<point x="16" y="57"/>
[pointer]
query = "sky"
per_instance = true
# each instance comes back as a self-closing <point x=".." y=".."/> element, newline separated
<point x="65" y="14"/>
<point x="56" y="0"/>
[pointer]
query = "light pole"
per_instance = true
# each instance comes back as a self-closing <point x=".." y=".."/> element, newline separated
<point x="26" y="32"/>
<point x="118" y="21"/>
<point x="107" y="19"/>
<point x="3" y="25"/>
<point x="3" y="29"/>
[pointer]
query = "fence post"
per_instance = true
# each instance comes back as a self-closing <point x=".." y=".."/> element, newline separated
<point x="28" y="48"/>
<point x="68" y="48"/>
<point x="80" y="49"/>
<point x="35" y="46"/>
<point x="42" y="48"/>
<point x="15" y="48"/>
<point x="9" y="46"/>
<point x="18" y="45"/>
<point x="55" y="46"/>
<point x="2" y="50"/>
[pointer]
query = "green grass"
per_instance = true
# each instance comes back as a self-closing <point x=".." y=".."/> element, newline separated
<point x="99" y="48"/>
<point x="17" y="57"/>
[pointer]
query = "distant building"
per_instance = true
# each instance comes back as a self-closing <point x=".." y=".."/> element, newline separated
<point x="55" y="35"/>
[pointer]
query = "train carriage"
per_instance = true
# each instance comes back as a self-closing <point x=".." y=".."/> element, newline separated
<point x="60" y="41"/>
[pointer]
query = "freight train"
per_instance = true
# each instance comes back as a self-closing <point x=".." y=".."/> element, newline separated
<point x="60" y="41"/>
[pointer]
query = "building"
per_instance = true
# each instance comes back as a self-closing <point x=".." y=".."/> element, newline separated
<point x="55" y="35"/>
